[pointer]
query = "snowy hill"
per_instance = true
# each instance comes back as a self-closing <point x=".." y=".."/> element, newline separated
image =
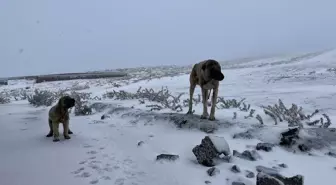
<point x="119" y="142"/>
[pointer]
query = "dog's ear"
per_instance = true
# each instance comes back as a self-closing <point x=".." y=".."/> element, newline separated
<point x="204" y="66"/>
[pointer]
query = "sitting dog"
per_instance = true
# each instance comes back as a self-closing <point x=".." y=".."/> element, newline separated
<point x="207" y="75"/>
<point x="59" y="114"/>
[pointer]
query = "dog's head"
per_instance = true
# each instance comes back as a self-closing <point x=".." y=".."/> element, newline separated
<point x="66" y="102"/>
<point x="212" y="70"/>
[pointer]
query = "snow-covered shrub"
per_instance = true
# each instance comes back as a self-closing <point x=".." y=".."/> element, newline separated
<point x="294" y="115"/>
<point x="81" y="106"/>
<point x="41" y="98"/>
<point x="4" y="98"/>
<point x="19" y="94"/>
<point x="163" y="97"/>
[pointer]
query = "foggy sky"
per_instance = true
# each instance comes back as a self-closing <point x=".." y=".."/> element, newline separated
<point x="48" y="36"/>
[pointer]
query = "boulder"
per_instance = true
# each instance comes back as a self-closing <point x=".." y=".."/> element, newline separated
<point x="211" y="147"/>
<point x="277" y="179"/>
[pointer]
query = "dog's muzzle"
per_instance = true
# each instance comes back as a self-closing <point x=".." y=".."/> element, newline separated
<point x="68" y="103"/>
<point x="217" y="75"/>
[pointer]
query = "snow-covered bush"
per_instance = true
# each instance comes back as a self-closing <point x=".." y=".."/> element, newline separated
<point x="163" y="97"/>
<point x="4" y="98"/>
<point x="81" y="106"/>
<point x="41" y="98"/>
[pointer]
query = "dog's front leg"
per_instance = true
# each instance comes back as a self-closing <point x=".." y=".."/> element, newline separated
<point x="66" y="130"/>
<point x="191" y="94"/>
<point x="55" y="131"/>
<point x="50" y="129"/>
<point x="205" y="107"/>
<point x="213" y="106"/>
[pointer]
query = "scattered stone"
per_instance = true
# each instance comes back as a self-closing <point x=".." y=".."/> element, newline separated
<point x="288" y="137"/>
<point x="207" y="182"/>
<point x="269" y="171"/>
<point x="237" y="183"/>
<point x="213" y="171"/>
<point x="243" y="135"/>
<point x="247" y="155"/>
<point x="267" y="147"/>
<point x="211" y="147"/>
<point x="249" y="174"/>
<point x="140" y="143"/>
<point x="277" y="179"/>
<point x="303" y="147"/>
<point x="235" y="169"/>
<point x="104" y="117"/>
<point x="283" y="165"/>
<point x="264" y="179"/>
<point x="169" y="157"/>
<point x="331" y="154"/>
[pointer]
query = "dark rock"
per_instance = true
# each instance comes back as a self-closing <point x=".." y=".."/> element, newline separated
<point x="267" y="178"/>
<point x="140" y="143"/>
<point x="249" y="174"/>
<point x="243" y="135"/>
<point x="169" y="157"/>
<point x="104" y="117"/>
<point x="235" y="169"/>
<point x="213" y="171"/>
<point x="303" y="147"/>
<point x="247" y="155"/>
<point x="331" y="154"/>
<point x="207" y="151"/>
<point x="283" y="165"/>
<point x="207" y="182"/>
<point x="264" y="179"/>
<point x="289" y="137"/>
<point x="265" y="146"/>
<point x="237" y="183"/>
<point x="268" y="171"/>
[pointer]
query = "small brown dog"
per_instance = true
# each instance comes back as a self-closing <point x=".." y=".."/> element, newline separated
<point x="59" y="114"/>
<point x="207" y="75"/>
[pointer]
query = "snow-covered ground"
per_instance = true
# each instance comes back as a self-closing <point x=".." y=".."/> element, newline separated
<point x="107" y="151"/>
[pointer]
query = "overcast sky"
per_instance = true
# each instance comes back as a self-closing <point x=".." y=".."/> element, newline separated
<point x="48" y="36"/>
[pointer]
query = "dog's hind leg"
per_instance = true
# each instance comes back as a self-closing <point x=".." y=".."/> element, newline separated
<point x="55" y="131"/>
<point x="204" y="100"/>
<point x="191" y="94"/>
<point x="213" y="106"/>
<point x="66" y="130"/>
<point x="50" y="129"/>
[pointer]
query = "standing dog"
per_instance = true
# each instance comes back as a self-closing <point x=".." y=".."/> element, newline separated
<point x="207" y="75"/>
<point x="59" y="114"/>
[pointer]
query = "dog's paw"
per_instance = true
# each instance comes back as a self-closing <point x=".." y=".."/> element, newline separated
<point x="204" y="117"/>
<point x="50" y="134"/>
<point x="212" y="118"/>
<point x="67" y="137"/>
<point x="56" y="139"/>
<point x="190" y="112"/>
<point x="70" y="132"/>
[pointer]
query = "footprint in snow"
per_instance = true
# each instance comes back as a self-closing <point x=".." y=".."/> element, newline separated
<point x="78" y="171"/>
<point x="106" y="178"/>
<point x="119" y="181"/>
<point x="84" y="175"/>
<point x="95" y="181"/>
<point x="92" y="152"/>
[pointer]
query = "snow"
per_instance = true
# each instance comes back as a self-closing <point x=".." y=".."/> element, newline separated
<point x="107" y="152"/>
<point x="220" y="144"/>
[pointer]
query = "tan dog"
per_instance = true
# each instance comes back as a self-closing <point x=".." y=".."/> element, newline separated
<point x="207" y="75"/>
<point x="60" y="114"/>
